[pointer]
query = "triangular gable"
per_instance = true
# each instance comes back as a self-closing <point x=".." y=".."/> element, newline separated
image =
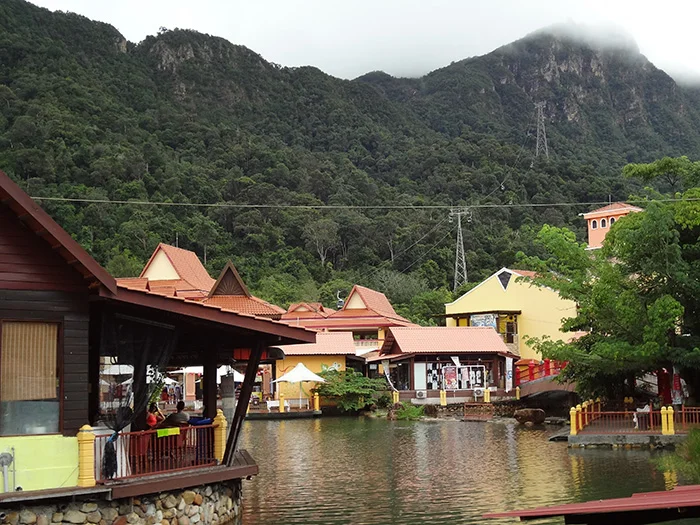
<point x="38" y="221"/>
<point x="171" y="263"/>
<point x="503" y="279"/>
<point x="229" y="283"/>
<point x="354" y="301"/>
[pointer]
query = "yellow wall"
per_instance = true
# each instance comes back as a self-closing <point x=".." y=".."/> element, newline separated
<point x="542" y="309"/>
<point x="42" y="462"/>
<point x="312" y="362"/>
<point x="161" y="268"/>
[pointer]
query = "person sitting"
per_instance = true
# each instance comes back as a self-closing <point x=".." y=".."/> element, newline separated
<point x="154" y="416"/>
<point x="179" y="418"/>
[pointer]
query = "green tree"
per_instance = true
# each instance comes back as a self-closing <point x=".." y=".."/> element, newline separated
<point x="350" y="389"/>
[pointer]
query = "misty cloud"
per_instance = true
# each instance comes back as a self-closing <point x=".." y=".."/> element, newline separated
<point x="405" y="37"/>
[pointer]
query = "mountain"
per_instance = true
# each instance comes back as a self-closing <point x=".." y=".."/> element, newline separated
<point x="183" y="118"/>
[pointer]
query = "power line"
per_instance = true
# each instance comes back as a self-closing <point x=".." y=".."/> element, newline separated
<point x="350" y="206"/>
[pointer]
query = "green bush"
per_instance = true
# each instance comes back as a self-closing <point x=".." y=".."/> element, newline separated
<point x="383" y="401"/>
<point x="685" y="460"/>
<point x="350" y="390"/>
<point x="409" y="412"/>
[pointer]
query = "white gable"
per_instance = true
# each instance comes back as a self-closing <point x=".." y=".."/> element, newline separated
<point x="160" y="268"/>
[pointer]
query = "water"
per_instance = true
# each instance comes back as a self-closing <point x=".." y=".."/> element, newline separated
<point x="371" y="471"/>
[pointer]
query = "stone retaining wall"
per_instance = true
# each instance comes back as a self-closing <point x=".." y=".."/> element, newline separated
<point x="211" y="504"/>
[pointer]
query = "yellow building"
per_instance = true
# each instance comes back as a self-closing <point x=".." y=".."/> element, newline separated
<point x="515" y="308"/>
<point x="331" y="350"/>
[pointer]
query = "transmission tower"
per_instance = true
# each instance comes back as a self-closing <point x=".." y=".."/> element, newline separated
<point x="541" y="147"/>
<point x="460" y="260"/>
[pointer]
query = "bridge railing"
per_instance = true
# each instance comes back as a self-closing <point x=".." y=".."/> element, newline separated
<point x="534" y="371"/>
<point x="588" y="418"/>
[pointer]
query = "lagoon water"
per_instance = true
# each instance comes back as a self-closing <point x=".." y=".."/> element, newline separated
<point x="332" y="471"/>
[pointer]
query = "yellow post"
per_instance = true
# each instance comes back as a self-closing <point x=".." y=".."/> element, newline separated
<point x="597" y="404"/>
<point x="220" y="435"/>
<point x="317" y="403"/>
<point x="443" y="398"/>
<point x="572" y="419"/>
<point x="584" y="409"/>
<point x="664" y="421"/>
<point x="579" y="418"/>
<point x="395" y="396"/>
<point x="517" y="393"/>
<point x="487" y="396"/>
<point x="671" y="426"/>
<point x="86" y="457"/>
<point x="281" y="402"/>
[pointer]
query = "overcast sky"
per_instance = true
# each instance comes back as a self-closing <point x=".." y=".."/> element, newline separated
<point x="347" y="38"/>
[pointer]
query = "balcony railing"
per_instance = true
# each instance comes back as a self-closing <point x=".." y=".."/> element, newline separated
<point x="366" y="343"/>
<point x="157" y="451"/>
<point x="538" y="371"/>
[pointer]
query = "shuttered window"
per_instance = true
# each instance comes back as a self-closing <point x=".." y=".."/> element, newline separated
<point x="28" y="361"/>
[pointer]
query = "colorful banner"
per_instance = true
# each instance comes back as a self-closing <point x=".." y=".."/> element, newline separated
<point x="449" y="377"/>
<point x="509" y="374"/>
<point x="484" y="320"/>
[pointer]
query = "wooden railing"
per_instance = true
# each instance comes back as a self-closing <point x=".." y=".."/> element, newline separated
<point x="536" y="371"/>
<point x="588" y="418"/>
<point x="157" y="451"/>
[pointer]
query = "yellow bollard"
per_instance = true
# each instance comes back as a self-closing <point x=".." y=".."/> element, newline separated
<point x="317" y="403"/>
<point x="443" y="398"/>
<point x="671" y="426"/>
<point x="572" y="421"/>
<point x="281" y="403"/>
<point x="517" y="393"/>
<point x="220" y="435"/>
<point x="395" y="396"/>
<point x="597" y="404"/>
<point x="584" y="410"/>
<point x="579" y="418"/>
<point x="664" y="421"/>
<point x="487" y="396"/>
<point x="86" y="457"/>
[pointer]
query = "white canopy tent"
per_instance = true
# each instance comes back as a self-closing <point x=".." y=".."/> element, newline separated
<point x="299" y="374"/>
<point x="220" y="372"/>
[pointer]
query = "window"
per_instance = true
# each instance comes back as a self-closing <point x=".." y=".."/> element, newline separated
<point x="29" y="402"/>
<point x="594" y="224"/>
<point x="612" y="221"/>
<point x="603" y="223"/>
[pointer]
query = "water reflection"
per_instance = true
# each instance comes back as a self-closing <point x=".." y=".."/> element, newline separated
<point x="347" y="470"/>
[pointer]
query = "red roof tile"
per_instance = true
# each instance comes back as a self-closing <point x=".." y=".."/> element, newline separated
<point x="307" y="311"/>
<point x="249" y="305"/>
<point x="614" y="207"/>
<point x="443" y="340"/>
<point x="187" y="265"/>
<point x="374" y="301"/>
<point x="327" y="343"/>
<point x="525" y="273"/>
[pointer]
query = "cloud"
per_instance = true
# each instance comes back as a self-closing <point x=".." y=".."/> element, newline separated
<point x="401" y="37"/>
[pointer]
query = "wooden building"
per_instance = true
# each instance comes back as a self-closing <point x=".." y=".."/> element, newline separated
<point x="58" y="308"/>
<point x="464" y="361"/>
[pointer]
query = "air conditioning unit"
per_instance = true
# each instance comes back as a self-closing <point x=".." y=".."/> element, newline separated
<point x="478" y="392"/>
<point x="421" y="394"/>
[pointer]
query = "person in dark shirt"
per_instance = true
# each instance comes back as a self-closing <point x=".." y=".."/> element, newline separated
<point x="178" y="418"/>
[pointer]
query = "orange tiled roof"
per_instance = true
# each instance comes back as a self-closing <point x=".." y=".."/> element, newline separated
<point x="312" y="311"/>
<point x="327" y="343"/>
<point x="444" y="340"/>
<point x="187" y="265"/>
<point x="613" y="207"/>
<point x="375" y="301"/>
<point x="525" y="273"/>
<point x="135" y="287"/>
<point x="244" y="304"/>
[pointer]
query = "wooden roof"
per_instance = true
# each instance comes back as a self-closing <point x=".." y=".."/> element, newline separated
<point x="38" y="221"/>
<point x="444" y="340"/>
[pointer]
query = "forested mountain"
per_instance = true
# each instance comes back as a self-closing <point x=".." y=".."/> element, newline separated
<point x="187" y="118"/>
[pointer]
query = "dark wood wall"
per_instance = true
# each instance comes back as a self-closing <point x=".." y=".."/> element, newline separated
<point x="37" y="284"/>
<point x="27" y="262"/>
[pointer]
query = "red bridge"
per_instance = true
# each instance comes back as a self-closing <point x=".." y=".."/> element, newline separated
<point x="539" y="377"/>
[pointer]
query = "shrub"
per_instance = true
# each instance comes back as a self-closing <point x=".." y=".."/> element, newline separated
<point x="685" y="460"/>
<point x="409" y="412"/>
<point x="351" y="390"/>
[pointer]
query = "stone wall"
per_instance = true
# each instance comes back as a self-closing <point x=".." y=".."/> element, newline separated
<point x="211" y="504"/>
